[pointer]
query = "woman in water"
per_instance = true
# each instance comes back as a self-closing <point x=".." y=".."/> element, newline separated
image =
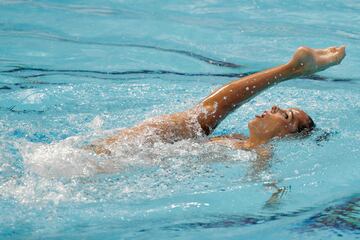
<point x="203" y="118"/>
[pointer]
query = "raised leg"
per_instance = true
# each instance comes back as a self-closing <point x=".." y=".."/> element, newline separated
<point x="214" y="108"/>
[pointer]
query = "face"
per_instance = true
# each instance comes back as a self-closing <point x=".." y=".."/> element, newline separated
<point x="277" y="122"/>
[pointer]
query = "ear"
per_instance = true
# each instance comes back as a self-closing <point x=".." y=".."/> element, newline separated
<point x="293" y="126"/>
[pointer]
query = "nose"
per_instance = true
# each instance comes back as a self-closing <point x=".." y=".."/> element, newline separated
<point x="274" y="109"/>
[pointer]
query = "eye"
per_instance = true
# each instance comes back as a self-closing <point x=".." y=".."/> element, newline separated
<point x="286" y="116"/>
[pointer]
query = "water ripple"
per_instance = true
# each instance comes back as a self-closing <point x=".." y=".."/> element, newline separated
<point x="40" y="35"/>
<point x="36" y="72"/>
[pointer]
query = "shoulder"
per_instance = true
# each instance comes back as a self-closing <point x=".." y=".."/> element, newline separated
<point x="264" y="152"/>
<point x="234" y="140"/>
<point x="234" y="137"/>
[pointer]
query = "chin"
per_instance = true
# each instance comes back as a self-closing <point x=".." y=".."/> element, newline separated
<point x="260" y="128"/>
<point x="252" y="122"/>
<point x="255" y="125"/>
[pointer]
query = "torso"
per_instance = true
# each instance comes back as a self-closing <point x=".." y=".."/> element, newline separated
<point x="172" y="128"/>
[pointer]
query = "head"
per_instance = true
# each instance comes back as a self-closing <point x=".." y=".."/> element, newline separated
<point x="279" y="122"/>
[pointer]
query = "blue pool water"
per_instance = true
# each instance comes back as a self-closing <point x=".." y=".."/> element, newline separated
<point x="73" y="71"/>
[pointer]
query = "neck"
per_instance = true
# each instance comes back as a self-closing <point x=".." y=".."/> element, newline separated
<point x="254" y="141"/>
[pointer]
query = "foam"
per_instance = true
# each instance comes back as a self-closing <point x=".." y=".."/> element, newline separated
<point x="67" y="158"/>
<point x="65" y="171"/>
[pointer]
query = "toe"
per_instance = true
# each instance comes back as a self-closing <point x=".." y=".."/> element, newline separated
<point x="341" y="54"/>
<point x="338" y="54"/>
<point x="342" y="51"/>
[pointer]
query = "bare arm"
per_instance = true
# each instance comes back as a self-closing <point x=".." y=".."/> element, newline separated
<point x="262" y="163"/>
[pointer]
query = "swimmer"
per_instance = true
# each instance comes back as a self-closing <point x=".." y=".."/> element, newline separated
<point x="202" y="119"/>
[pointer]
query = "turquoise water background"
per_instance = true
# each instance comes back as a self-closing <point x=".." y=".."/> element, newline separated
<point x="72" y="71"/>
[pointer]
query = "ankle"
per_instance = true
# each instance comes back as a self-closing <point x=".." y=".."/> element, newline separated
<point x="303" y="62"/>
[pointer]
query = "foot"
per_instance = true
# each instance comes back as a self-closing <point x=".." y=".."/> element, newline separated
<point x="308" y="60"/>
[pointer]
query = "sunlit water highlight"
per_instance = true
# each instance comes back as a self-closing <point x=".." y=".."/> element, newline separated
<point x="73" y="73"/>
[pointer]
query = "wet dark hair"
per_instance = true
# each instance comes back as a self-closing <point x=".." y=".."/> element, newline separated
<point x="307" y="127"/>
